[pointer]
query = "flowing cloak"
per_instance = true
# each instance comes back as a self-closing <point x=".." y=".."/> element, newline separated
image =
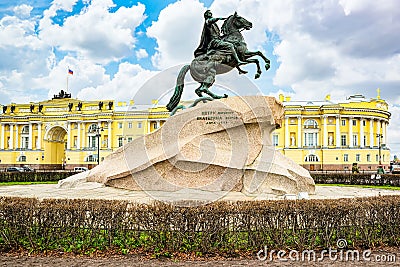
<point x="204" y="41"/>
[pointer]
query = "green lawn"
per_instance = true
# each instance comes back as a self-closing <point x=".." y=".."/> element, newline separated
<point x="24" y="183"/>
<point x="364" y="186"/>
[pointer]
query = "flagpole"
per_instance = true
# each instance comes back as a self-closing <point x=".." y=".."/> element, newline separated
<point x="67" y="78"/>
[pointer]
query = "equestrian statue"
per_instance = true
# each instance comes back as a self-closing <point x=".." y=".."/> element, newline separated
<point x="218" y="54"/>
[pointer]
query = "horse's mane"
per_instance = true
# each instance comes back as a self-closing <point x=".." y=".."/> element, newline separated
<point x="226" y="25"/>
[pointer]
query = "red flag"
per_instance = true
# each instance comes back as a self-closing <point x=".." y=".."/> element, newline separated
<point x="70" y="72"/>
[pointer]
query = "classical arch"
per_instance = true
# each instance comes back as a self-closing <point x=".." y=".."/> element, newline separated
<point x="55" y="140"/>
<point x="55" y="133"/>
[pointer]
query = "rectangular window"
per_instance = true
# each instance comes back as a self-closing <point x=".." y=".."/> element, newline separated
<point x="364" y="123"/>
<point x="343" y="122"/>
<point x="25" y="142"/>
<point x="120" y="141"/>
<point x="310" y="139"/>
<point x="139" y="124"/>
<point x="365" y="140"/>
<point x="346" y="157"/>
<point x="75" y="141"/>
<point x="354" y="123"/>
<point x="120" y="125"/>
<point x="343" y="140"/>
<point x="130" y="139"/>
<point x="376" y="157"/>
<point x="358" y="157"/>
<point x="130" y="125"/>
<point x="275" y="140"/>
<point x="368" y="157"/>
<point x="93" y="141"/>
<point x="355" y="138"/>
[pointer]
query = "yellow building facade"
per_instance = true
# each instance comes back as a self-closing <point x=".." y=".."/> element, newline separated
<point x="323" y="135"/>
<point x="65" y="132"/>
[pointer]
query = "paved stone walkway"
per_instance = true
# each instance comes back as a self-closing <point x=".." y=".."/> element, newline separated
<point x="377" y="258"/>
<point x="99" y="191"/>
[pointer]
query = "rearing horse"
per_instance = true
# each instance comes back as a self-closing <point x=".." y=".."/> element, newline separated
<point x="204" y="68"/>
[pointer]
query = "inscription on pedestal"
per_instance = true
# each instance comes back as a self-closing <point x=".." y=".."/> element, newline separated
<point x="218" y="117"/>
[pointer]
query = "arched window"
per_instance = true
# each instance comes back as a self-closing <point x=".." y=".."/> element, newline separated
<point x="311" y="158"/>
<point x="92" y="128"/>
<point x="21" y="158"/>
<point x="311" y="124"/>
<point x="25" y="129"/>
<point x="91" y="158"/>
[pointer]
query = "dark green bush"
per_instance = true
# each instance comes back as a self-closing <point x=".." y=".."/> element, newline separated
<point x="33" y="176"/>
<point x="356" y="179"/>
<point x="84" y="226"/>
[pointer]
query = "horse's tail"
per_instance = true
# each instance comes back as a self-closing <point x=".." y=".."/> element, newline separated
<point x="174" y="101"/>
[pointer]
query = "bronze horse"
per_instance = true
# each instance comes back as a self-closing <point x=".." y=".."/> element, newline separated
<point x="204" y="68"/>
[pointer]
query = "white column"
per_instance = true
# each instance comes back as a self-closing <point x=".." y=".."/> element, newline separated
<point x="351" y="144"/>
<point x="109" y="135"/>
<point x="39" y="144"/>
<point x="384" y="124"/>
<point x="16" y="137"/>
<point x="30" y="136"/>
<point x="325" y="137"/>
<point x="361" y="132"/>
<point x="85" y="136"/>
<point x="299" y="132"/>
<point x="371" y="132"/>
<point x="287" y="141"/>
<point x="68" y="135"/>
<point x="2" y="137"/>
<point x="78" y="141"/>
<point x="338" y="138"/>
<point x="11" y="145"/>
<point x="98" y="139"/>
<point x="148" y="126"/>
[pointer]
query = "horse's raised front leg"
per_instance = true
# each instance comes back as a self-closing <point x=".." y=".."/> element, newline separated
<point x="249" y="54"/>
<point x="255" y="61"/>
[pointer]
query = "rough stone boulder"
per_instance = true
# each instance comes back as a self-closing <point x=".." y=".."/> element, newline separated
<point x="222" y="145"/>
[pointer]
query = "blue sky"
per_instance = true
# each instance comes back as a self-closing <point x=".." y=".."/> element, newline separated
<point x="337" y="47"/>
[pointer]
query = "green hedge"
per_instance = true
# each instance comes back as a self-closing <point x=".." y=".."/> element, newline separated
<point x="220" y="228"/>
<point x="33" y="176"/>
<point x="319" y="178"/>
<point x="356" y="179"/>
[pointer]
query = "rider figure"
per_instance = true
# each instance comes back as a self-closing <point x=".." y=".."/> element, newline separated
<point x="211" y="38"/>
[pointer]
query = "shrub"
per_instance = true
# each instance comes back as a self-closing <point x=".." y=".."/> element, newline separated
<point x="224" y="228"/>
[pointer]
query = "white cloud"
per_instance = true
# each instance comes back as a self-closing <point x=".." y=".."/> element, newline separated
<point x="23" y="11"/>
<point x="23" y="56"/>
<point x="124" y="85"/>
<point x="141" y="53"/>
<point x="96" y="33"/>
<point x="177" y="32"/>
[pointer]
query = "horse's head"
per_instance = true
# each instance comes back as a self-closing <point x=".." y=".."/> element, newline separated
<point x="235" y="23"/>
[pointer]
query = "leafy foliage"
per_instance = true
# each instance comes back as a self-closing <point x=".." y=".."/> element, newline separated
<point x="223" y="228"/>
